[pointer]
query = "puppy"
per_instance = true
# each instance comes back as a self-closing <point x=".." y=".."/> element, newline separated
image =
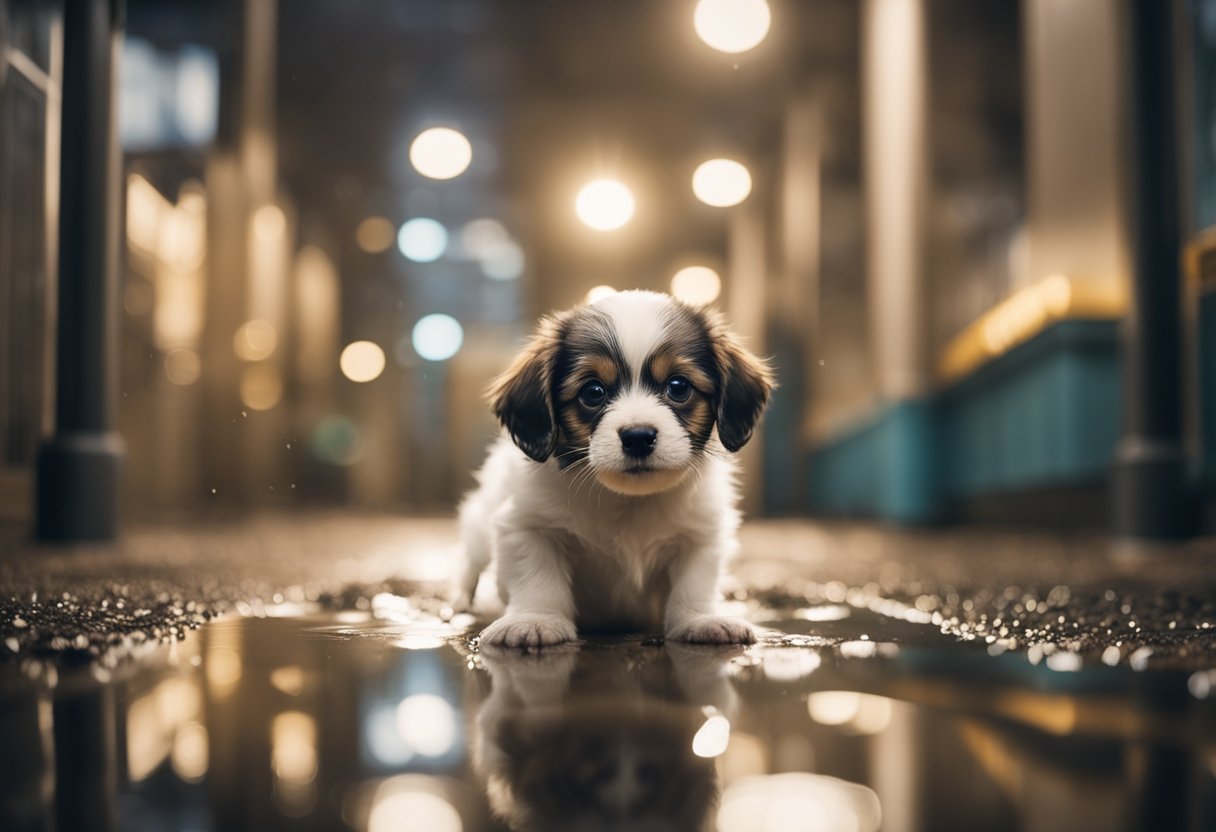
<point x="610" y="501"/>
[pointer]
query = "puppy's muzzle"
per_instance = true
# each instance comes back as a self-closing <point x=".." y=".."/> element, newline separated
<point x="638" y="441"/>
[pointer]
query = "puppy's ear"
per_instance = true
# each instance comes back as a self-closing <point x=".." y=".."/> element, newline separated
<point x="522" y="397"/>
<point x="747" y="383"/>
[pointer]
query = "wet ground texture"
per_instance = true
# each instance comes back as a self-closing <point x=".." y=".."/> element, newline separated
<point x="306" y="673"/>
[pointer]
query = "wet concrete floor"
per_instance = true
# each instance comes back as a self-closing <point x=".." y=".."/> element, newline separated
<point x="1014" y="685"/>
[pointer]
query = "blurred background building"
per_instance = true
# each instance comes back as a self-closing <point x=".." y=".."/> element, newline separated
<point x="939" y="237"/>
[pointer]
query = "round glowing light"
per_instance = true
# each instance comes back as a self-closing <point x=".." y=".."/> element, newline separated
<point x="427" y="723"/>
<point x="441" y="153"/>
<point x="269" y="222"/>
<point x="597" y="293"/>
<point x="189" y="755"/>
<point x="604" y="204"/>
<point x="721" y="183"/>
<point x="833" y="707"/>
<point x="482" y="237"/>
<point x="696" y="285"/>
<point x="413" y="810"/>
<point x="254" y="341"/>
<point x="336" y="440"/>
<point x="712" y="738"/>
<point x="261" y="387"/>
<point x="361" y="361"/>
<point x="375" y="234"/>
<point x="505" y="263"/>
<point x="182" y="366"/>
<point x="437" y="337"/>
<point x="422" y="240"/>
<point x="732" y="25"/>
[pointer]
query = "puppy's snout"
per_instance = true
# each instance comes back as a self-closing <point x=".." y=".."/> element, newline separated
<point x="639" y="441"/>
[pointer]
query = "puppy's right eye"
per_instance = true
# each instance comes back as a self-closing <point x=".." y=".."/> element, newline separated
<point x="593" y="394"/>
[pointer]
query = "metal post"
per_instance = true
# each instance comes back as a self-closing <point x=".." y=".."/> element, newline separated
<point x="78" y="466"/>
<point x="1150" y="489"/>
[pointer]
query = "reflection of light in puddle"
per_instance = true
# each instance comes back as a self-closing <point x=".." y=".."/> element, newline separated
<point x="788" y="664"/>
<point x="1066" y="662"/>
<point x="798" y="802"/>
<point x="825" y="612"/>
<point x="190" y="752"/>
<point x="293" y="759"/>
<point x="1200" y="684"/>
<point x="712" y="738"/>
<point x="419" y="641"/>
<point x="427" y="723"/>
<point x="411" y="802"/>
<point x="858" y="649"/>
<point x="860" y="713"/>
<point x="288" y="679"/>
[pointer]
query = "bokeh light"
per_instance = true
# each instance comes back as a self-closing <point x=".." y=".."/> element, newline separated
<point x="480" y="237"/>
<point x="375" y="234"/>
<point x="255" y="340"/>
<point x="422" y="240"/>
<point x="721" y="182"/>
<point x="336" y="440"/>
<point x="269" y="222"/>
<point x="182" y="366"/>
<point x="732" y="25"/>
<point x="402" y="807"/>
<point x="604" y="204"/>
<point x="427" y="724"/>
<point x="441" y="153"/>
<point x="361" y="361"/>
<point x="437" y="337"/>
<point x="489" y="243"/>
<point x="598" y="293"/>
<point x="712" y="738"/>
<point x="261" y="387"/>
<point x="696" y="285"/>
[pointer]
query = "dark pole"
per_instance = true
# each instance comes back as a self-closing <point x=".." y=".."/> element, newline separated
<point x="78" y="466"/>
<point x="1151" y="496"/>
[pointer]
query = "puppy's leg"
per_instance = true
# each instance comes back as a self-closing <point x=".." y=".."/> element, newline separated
<point x="536" y="580"/>
<point x="691" y="608"/>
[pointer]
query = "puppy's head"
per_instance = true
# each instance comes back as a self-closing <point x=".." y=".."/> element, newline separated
<point x="633" y="387"/>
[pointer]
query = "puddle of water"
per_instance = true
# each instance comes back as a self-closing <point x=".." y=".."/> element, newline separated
<point x="390" y="720"/>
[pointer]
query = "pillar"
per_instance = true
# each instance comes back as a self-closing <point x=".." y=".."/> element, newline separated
<point x="1151" y="494"/>
<point x="78" y="466"/>
<point x="894" y="160"/>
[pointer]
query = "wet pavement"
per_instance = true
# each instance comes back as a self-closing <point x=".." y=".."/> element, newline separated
<point x="307" y="674"/>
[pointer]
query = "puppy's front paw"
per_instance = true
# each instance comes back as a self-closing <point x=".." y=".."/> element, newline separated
<point x="529" y="630"/>
<point x="710" y="629"/>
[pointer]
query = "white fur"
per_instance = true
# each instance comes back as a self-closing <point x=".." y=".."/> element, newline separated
<point x="600" y="548"/>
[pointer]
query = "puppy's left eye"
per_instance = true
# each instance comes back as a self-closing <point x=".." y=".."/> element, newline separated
<point x="678" y="389"/>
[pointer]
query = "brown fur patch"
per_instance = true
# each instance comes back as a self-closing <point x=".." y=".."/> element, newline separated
<point x="585" y="368"/>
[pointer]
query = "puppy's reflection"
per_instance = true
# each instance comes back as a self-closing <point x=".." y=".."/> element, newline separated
<point x="601" y="738"/>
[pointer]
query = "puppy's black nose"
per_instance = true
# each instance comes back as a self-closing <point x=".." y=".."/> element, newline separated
<point x="638" y="441"/>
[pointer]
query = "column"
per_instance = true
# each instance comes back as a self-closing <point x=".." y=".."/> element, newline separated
<point x="894" y="168"/>
<point x="78" y="466"/>
<point x="1151" y="494"/>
